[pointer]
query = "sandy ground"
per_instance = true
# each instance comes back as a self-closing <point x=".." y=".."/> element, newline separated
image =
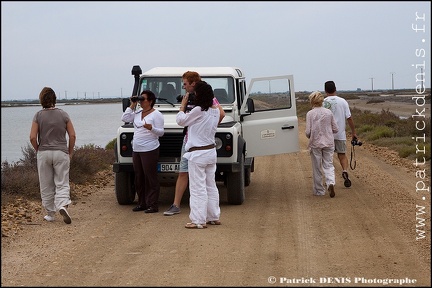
<point x="374" y="233"/>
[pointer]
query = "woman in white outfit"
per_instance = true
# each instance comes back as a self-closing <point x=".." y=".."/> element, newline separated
<point x="202" y="122"/>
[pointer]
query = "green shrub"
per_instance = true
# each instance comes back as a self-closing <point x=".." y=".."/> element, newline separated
<point x="380" y="132"/>
<point x="110" y="145"/>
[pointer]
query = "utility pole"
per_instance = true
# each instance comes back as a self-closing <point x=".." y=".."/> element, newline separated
<point x="372" y="83"/>
<point x="65" y="94"/>
<point x="392" y="81"/>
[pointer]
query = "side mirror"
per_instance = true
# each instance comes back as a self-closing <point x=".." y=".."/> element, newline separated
<point x="125" y="103"/>
<point x="250" y="105"/>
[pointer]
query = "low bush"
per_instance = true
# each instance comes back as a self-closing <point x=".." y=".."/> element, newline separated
<point x="21" y="178"/>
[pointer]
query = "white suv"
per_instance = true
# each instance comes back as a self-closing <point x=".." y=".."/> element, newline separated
<point x="260" y="120"/>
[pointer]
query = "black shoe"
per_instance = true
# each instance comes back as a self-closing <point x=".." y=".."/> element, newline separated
<point x="139" y="208"/>
<point x="151" y="210"/>
<point x="331" y="190"/>
<point x="347" y="181"/>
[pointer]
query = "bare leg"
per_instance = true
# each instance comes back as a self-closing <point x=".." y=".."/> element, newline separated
<point x="181" y="185"/>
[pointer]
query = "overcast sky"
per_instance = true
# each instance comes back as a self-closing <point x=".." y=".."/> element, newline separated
<point x="90" y="47"/>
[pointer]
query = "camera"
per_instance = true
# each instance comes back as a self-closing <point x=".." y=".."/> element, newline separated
<point x="355" y="141"/>
<point x="137" y="98"/>
<point x="191" y="99"/>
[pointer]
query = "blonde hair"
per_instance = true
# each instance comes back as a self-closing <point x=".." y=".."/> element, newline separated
<point x="316" y="99"/>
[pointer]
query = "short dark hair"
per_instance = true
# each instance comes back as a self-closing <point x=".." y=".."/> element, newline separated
<point x="47" y="97"/>
<point x="150" y="97"/>
<point x="204" y="95"/>
<point x="330" y="87"/>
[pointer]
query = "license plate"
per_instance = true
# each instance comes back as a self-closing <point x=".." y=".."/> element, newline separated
<point x="168" y="167"/>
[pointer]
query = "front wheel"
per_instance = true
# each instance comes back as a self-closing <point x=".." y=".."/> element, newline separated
<point x="235" y="183"/>
<point x="124" y="188"/>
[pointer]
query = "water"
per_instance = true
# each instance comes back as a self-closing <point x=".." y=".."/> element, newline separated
<point x="94" y="124"/>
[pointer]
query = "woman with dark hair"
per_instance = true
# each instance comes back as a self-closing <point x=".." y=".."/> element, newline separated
<point x="148" y="127"/>
<point x="200" y="148"/>
<point x="48" y="137"/>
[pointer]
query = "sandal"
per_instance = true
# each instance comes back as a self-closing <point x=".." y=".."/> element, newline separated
<point x="214" y="222"/>
<point x="195" y="226"/>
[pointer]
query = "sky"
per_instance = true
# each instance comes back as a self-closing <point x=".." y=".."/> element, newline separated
<point x="87" y="49"/>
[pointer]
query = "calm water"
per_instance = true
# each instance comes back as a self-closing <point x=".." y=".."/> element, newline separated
<point x="94" y="124"/>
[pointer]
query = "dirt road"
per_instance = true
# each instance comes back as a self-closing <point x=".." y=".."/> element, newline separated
<point x="367" y="235"/>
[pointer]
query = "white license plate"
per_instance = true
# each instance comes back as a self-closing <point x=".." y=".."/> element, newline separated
<point x="168" y="167"/>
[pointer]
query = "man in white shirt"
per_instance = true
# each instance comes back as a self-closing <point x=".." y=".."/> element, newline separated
<point x="341" y="111"/>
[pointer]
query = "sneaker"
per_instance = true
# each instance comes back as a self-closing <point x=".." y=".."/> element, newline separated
<point x="347" y="181"/>
<point x="172" y="210"/>
<point x="331" y="190"/>
<point x="49" y="218"/>
<point x="66" y="218"/>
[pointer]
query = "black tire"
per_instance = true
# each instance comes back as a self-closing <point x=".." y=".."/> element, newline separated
<point x="247" y="176"/>
<point x="124" y="188"/>
<point x="236" y="185"/>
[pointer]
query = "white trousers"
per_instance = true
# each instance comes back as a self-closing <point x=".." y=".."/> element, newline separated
<point x="204" y="195"/>
<point x="53" y="170"/>
<point x="322" y="163"/>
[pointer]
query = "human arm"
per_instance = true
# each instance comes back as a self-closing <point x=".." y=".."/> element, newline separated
<point x="351" y="125"/>
<point x="222" y="114"/>
<point x="157" y="127"/>
<point x="308" y="125"/>
<point x="33" y="135"/>
<point x="185" y="119"/>
<point x="72" y="137"/>
<point x="128" y="115"/>
<point x="334" y="125"/>
<point x="221" y="110"/>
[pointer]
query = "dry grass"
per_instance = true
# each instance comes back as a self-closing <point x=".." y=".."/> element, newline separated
<point x="20" y="179"/>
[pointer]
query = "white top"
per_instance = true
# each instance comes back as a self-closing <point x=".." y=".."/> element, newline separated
<point x="202" y="127"/>
<point x="145" y="140"/>
<point x="340" y="109"/>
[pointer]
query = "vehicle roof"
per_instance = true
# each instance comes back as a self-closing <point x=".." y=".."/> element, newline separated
<point x="203" y="71"/>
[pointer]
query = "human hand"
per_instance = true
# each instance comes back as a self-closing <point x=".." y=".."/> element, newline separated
<point x="185" y="99"/>
<point x="147" y="126"/>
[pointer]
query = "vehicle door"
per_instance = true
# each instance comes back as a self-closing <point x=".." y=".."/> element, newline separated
<point x="269" y="116"/>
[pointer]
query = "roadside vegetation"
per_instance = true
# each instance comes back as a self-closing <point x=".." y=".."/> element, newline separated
<point x="384" y="129"/>
<point x="20" y="179"/>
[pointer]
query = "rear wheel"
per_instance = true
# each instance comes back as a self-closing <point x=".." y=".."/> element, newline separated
<point x="247" y="176"/>
<point x="124" y="188"/>
<point x="235" y="182"/>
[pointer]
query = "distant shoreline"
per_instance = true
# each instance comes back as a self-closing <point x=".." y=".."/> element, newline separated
<point x="21" y="103"/>
<point x="402" y="95"/>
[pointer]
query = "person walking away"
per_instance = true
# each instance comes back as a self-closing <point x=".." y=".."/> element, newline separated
<point x="320" y="127"/>
<point x="190" y="78"/>
<point x="54" y="153"/>
<point x="148" y="127"/>
<point x="341" y="111"/>
<point x="202" y="122"/>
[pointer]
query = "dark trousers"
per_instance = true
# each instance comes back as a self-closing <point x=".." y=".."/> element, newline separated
<point x="146" y="179"/>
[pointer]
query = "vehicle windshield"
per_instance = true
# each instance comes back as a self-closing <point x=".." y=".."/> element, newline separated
<point x="168" y="89"/>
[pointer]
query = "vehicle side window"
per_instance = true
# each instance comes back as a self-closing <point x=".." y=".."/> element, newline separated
<point x="271" y="94"/>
